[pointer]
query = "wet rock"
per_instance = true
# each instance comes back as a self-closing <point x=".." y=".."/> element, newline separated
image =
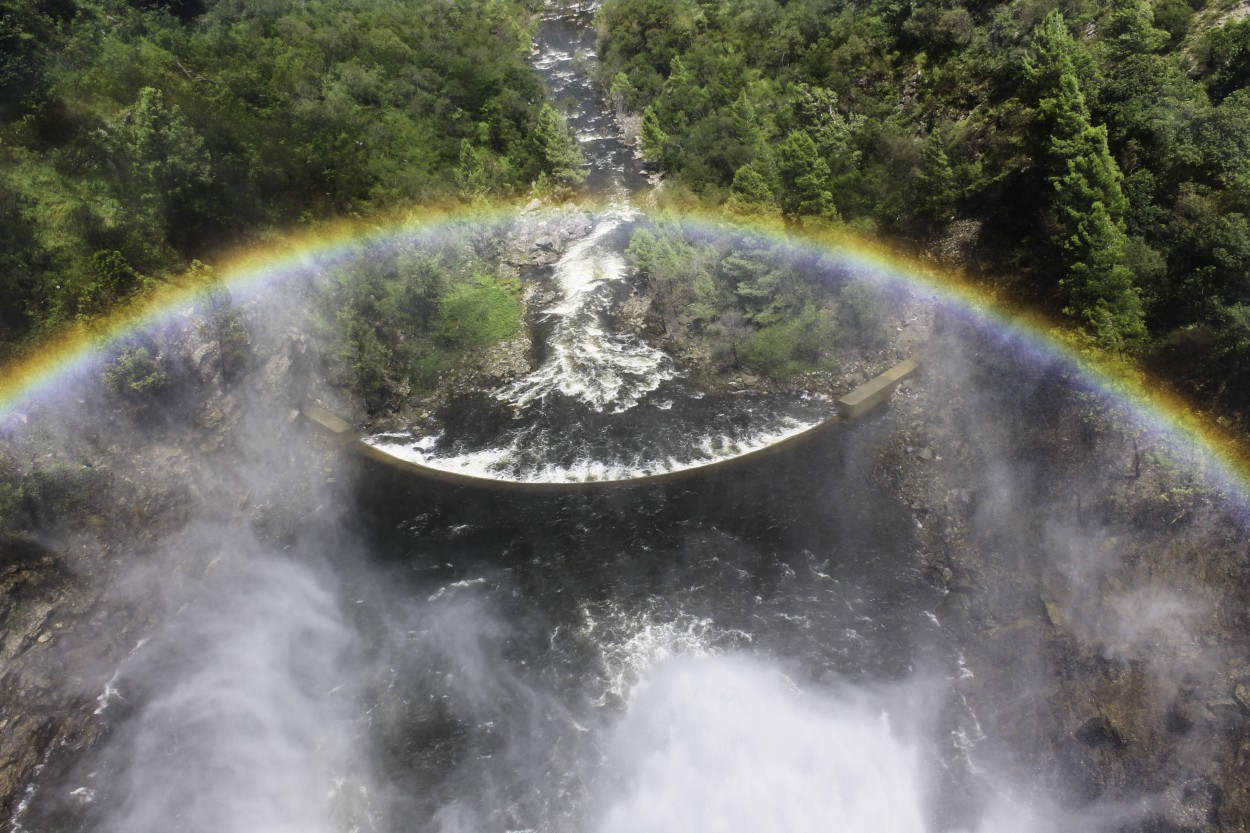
<point x="205" y="363"/>
<point x="1185" y="714"/>
<point x="1191" y="806"/>
<point x="1054" y="611"/>
<point x="1099" y="732"/>
<point x="538" y="238"/>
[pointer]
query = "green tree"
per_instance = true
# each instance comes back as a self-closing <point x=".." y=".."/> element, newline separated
<point x="557" y="147"/>
<point x="675" y="272"/>
<point x="1089" y="208"/>
<point x="1129" y="28"/>
<point x="111" y="277"/>
<point x="936" y="190"/>
<point x="1088" y="202"/>
<point x="798" y="344"/>
<point x="804" y="178"/>
<point x="222" y="324"/>
<point x="831" y="131"/>
<point x="164" y="157"/>
<point x="654" y="139"/>
<point x="137" y="372"/>
<point x="1054" y="53"/>
<point x="750" y="194"/>
<point x="478" y="172"/>
<point x="1227" y="59"/>
<point x="25" y="266"/>
<point x="1174" y="17"/>
<point x="372" y="371"/>
<point x="730" y="331"/>
<point x="1099" y="286"/>
<point x="641" y="38"/>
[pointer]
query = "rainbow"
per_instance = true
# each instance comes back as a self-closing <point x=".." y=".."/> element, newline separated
<point x="60" y="362"/>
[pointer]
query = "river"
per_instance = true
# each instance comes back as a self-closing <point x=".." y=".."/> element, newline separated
<point x="686" y="656"/>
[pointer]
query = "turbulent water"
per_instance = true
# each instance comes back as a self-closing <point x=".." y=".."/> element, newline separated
<point x="603" y="404"/>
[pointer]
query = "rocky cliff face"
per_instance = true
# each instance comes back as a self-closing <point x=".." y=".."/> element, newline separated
<point x="109" y="485"/>
<point x="1097" y="584"/>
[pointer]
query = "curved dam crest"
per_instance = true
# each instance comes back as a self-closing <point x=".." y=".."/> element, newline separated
<point x="854" y="405"/>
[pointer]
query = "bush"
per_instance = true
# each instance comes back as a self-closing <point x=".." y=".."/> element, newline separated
<point x="798" y="345"/>
<point x="136" y="373"/>
<point x="479" y="313"/>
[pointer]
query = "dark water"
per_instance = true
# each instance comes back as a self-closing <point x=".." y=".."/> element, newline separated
<point x="801" y="560"/>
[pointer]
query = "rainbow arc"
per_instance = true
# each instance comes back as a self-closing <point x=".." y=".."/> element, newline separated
<point x="61" y="361"/>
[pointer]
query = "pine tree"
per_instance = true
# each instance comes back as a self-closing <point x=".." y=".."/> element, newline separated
<point x="818" y="109"/>
<point x="746" y="124"/>
<point x="750" y="193"/>
<point x="1053" y="54"/>
<point x="165" y="159"/>
<point x="562" y="156"/>
<point x="654" y="139"/>
<point x="804" y="178"/>
<point x="1130" y="29"/>
<point x="1099" y="286"/>
<point x="473" y="174"/>
<point x="935" y="182"/>
<point x="1088" y="203"/>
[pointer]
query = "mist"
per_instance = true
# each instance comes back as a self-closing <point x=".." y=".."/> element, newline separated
<point x="730" y="743"/>
<point x="243" y="714"/>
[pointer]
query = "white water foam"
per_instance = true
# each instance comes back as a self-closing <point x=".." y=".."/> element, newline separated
<point x="601" y="369"/>
<point x="630" y="642"/>
<point x="730" y="744"/>
<point x="505" y="462"/>
<point x="111" y="691"/>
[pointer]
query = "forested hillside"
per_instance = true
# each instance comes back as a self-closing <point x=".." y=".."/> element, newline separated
<point x="1092" y="159"/>
<point x="137" y="136"/>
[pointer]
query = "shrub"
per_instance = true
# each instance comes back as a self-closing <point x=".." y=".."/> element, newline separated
<point x="136" y="373"/>
<point x="790" y="347"/>
<point x="479" y="313"/>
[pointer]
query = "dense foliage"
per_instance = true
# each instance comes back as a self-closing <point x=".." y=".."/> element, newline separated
<point x="404" y="316"/>
<point x="1092" y="156"/>
<point x="136" y="135"/>
<point x="751" y="304"/>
